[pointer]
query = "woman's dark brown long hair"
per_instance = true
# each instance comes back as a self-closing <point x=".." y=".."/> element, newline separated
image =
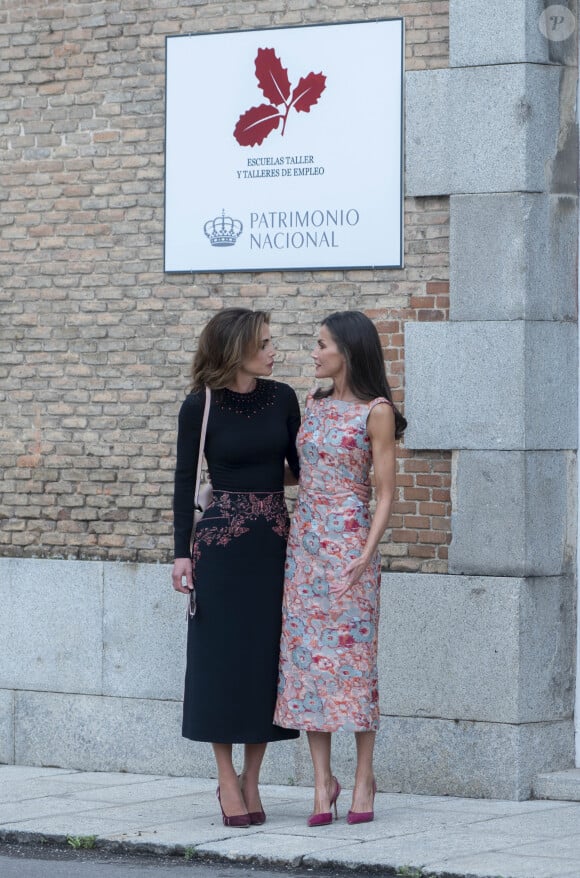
<point x="357" y="339"/>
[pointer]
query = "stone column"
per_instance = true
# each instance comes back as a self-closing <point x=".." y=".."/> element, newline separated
<point x="497" y="385"/>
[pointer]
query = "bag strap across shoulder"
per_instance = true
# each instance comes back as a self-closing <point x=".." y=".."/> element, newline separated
<point x="202" y="444"/>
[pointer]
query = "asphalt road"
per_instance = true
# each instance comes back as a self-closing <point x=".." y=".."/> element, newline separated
<point x="54" y="861"/>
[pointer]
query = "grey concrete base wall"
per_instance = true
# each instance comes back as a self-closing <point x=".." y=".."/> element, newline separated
<point x="460" y="758"/>
<point x="93" y="628"/>
<point x="482" y="648"/>
<point x="7" y="714"/>
<point x="476" y="692"/>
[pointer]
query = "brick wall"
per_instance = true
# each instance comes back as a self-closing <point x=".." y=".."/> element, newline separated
<point x="95" y="340"/>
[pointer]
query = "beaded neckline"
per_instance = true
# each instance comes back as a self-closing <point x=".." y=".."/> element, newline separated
<point x="248" y="404"/>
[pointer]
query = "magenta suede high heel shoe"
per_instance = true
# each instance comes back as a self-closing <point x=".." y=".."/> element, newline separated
<point x="362" y="816"/>
<point x="325" y="817"/>
<point x="237" y="820"/>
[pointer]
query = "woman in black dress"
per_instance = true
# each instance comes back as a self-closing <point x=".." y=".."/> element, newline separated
<point x="237" y="562"/>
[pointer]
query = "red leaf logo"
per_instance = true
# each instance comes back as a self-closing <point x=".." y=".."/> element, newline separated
<point x="257" y="123"/>
<point x="272" y="77"/>
<point x="307" y="92"/>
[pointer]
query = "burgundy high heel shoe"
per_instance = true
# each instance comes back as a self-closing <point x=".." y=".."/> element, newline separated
<point x="325" y="817"/>
<point x="237" y="820"/>
<point x="257" y="818"/>
<point x="362" y="816"/>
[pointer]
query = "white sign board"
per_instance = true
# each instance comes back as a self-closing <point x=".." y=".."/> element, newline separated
<point x="284" y="148"/>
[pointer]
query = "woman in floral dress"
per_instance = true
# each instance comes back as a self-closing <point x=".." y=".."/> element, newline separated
<point x="328" y="654"/>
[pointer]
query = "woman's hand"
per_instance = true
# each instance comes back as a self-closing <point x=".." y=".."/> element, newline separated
<point x="182" y="570"/>
<point x="362" y="492"/>
<point x="289" y="477"/>
<point x="351" y="575"/>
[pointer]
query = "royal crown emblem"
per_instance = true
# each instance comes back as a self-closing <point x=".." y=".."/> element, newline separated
<point x="223" y="231"/>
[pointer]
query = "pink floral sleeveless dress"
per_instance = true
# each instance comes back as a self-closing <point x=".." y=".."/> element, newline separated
<point x="328" y="678"/>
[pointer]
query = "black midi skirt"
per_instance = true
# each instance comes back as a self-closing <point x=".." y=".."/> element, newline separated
<point x="233" y="640"/>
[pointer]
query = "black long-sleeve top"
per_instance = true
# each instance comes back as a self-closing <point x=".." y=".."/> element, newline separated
<point x="249" y="437"/>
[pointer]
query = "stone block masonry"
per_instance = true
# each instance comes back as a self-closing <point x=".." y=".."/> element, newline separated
<point x="475" y="695"/>
<point x="96" y="341"/>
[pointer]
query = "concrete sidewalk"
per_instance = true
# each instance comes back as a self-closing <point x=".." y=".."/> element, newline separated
<point x="427" y="835"/>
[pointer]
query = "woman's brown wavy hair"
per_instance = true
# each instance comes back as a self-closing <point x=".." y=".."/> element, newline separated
<point x="230" y="337"/>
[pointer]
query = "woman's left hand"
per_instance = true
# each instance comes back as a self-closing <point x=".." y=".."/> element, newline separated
<point x="351" y="575"/>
